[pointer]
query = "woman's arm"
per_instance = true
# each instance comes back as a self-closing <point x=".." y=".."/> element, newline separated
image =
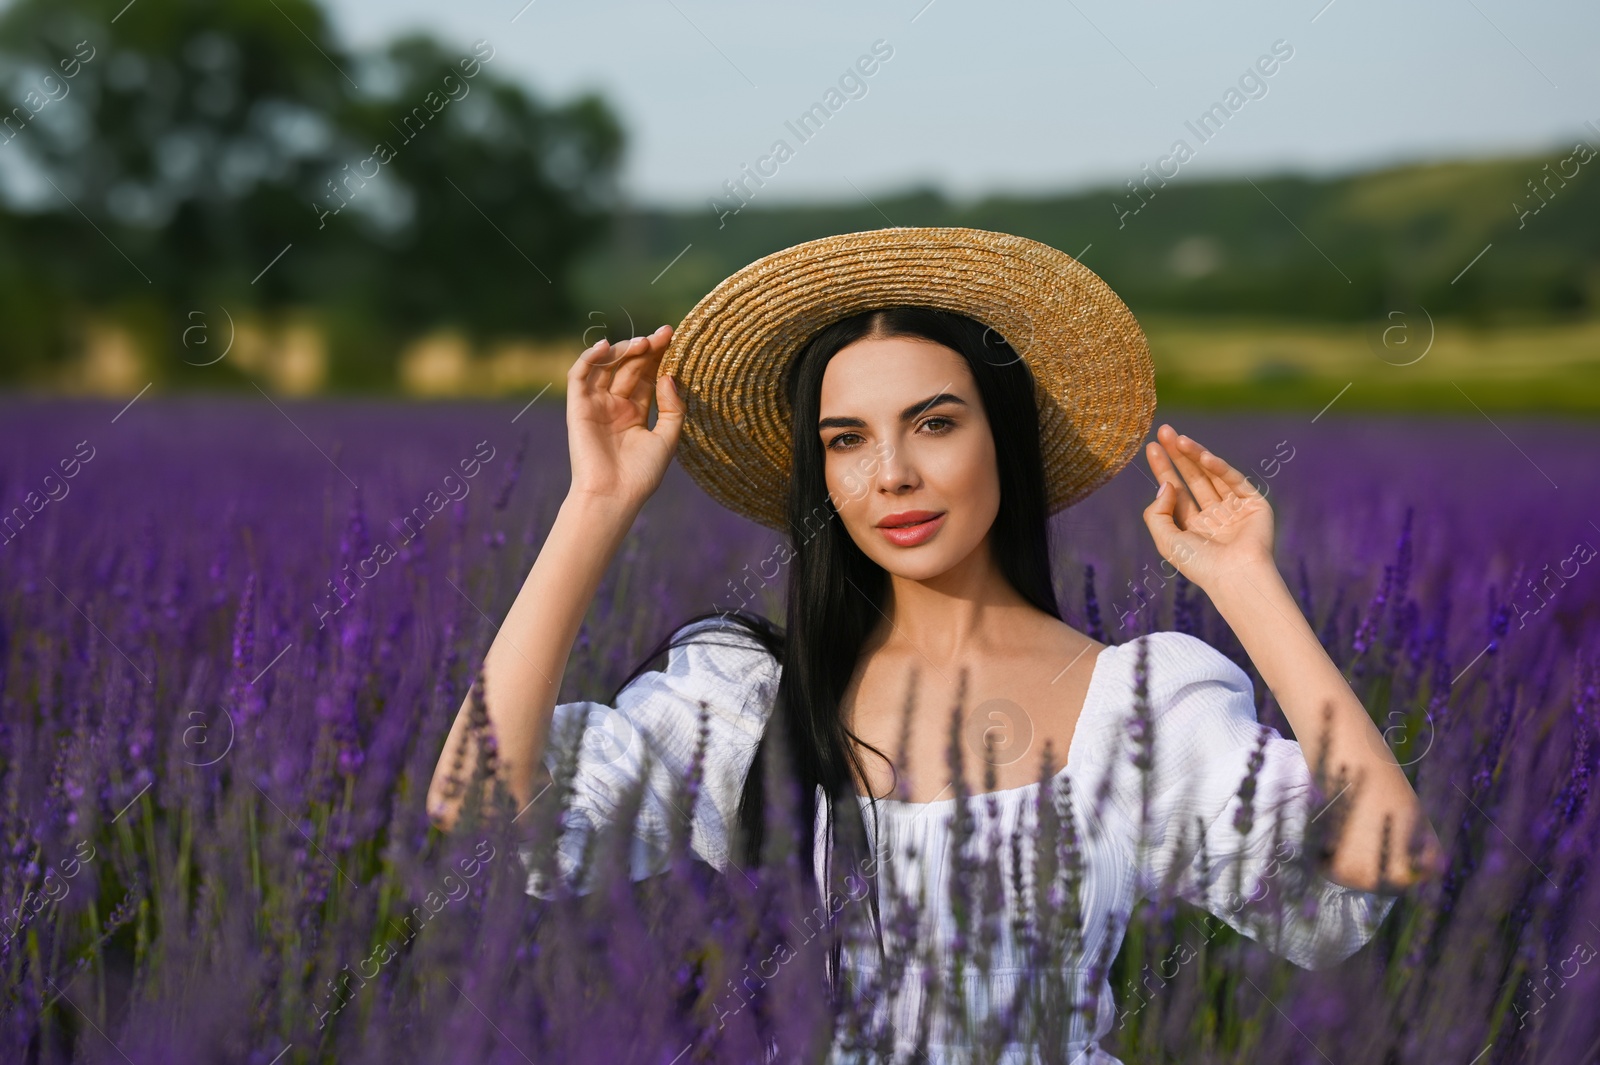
<point x="1218" y="531"/>
<point x="617" y="464"/>
<point x="524" y="665"/>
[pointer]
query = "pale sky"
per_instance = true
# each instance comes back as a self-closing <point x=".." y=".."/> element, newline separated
<point x="990" y="97"/>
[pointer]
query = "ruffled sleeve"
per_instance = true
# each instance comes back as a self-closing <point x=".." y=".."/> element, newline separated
<point x="1204" y="735"/>
<point x="658" y="713"/>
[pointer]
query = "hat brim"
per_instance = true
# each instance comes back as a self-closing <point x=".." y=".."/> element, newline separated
<point x="1089" y="358"/>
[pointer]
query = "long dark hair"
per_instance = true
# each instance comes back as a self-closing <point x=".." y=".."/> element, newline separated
<point x="835" y="592"/>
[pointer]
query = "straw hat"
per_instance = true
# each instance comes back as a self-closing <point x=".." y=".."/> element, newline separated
<point x="1090" y="360"/>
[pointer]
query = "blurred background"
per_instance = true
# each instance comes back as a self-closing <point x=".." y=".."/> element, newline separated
<point x="1303" y="206"/>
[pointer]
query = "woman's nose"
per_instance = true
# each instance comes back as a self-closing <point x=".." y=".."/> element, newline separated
<point x="895" y="471"/>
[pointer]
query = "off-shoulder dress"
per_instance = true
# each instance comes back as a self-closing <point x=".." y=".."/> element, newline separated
<point x="1204" y="731"/>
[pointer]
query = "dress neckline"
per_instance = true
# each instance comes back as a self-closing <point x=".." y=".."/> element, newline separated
<point x="916" y="808"/>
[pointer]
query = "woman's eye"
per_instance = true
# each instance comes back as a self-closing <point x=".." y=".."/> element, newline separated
<point x="940" y="426"/>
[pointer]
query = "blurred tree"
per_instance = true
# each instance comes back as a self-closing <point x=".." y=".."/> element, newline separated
<point x="487" y="195"/>
<point x="175" y="155"/>
<point x="191" y="135"/>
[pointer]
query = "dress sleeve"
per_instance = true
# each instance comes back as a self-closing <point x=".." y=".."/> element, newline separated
<point x="657" y="715"/>
<point x="1205" y="735"/>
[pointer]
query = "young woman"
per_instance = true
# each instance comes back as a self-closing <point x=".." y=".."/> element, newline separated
<point x="858" y="393"/>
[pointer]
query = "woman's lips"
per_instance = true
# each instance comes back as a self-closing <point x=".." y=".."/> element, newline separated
<point x="912" y="535"/>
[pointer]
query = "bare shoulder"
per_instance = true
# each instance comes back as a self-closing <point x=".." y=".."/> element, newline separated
<point x="1058" y="641"/>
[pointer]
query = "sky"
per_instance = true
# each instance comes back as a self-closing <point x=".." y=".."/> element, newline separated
<point x="1031" y="97"/>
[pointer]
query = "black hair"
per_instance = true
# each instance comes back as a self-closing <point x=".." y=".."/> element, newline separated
<point x="835" y="592"/>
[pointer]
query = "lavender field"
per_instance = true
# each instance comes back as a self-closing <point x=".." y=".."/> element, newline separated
<point x="214" y="745"/>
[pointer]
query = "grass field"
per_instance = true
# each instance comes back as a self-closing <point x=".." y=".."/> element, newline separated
<point x="1223" y="364"/>
<point x="1403" y="364"/>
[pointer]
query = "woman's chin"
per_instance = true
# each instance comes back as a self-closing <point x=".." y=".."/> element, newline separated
<point x="913" y="564"/>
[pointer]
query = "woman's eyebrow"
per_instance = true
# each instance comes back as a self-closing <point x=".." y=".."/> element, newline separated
<point x="936" y="400"/>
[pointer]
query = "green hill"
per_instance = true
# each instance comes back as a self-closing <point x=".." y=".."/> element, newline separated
<point x="1345" y="248"/>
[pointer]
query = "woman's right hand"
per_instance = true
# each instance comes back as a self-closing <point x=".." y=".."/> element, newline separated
<point x="614" y="456"/>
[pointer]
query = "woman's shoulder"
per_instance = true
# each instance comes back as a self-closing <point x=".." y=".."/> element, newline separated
<point x="722" y="653"/>
<point x="1193" y="732"/>
<point x="1174" y="663"/>
<point x="727" y="632"/>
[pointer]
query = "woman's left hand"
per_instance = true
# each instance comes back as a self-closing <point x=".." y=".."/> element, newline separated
<point x="1210" y="522"/>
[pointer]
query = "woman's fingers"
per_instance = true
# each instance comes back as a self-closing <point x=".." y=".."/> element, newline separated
<point x="1229" y="478"/>
<point x="625" y="369"/>
<point x="670" y="411"/>
<point x="589" y="372"/>
<point x="1166" y="473"/>
<point x="636" y="371"/>
<point x="1176" y="544"/>
<point x="1158" y="515"/>
<point x="1186" y="454"/>
<point x="620" y="371"/>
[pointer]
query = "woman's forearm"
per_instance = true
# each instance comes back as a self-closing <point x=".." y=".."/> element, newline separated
<point x="525" y="662"/>
<point x="1259" y="608"/>
<point x="1215" y="526"/>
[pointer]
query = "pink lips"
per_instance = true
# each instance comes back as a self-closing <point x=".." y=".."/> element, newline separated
<point x="911" y="535"/>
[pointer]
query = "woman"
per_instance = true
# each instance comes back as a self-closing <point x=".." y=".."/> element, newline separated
<point x="913" y="459"/>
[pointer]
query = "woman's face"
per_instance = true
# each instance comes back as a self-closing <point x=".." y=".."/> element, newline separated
<point x="905" y="437"/>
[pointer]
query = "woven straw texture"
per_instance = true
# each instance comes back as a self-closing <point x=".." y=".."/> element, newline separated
<point x="1090" y="361"/>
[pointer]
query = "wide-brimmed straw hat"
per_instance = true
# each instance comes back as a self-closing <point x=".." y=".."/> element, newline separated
<point x="1090" y="361"/>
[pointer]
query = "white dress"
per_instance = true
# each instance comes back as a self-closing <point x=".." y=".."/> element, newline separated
<point x="1204" y="731"/>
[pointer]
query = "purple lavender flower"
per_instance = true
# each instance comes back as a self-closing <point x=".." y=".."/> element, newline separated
<point x="220" y="912"/>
